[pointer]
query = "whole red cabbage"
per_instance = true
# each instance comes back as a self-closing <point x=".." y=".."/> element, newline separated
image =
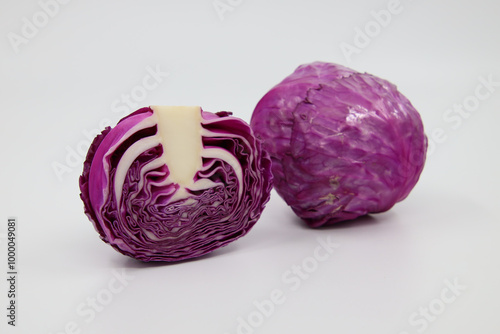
<point x="134" y="207"/>
<point x="342" y="143"/>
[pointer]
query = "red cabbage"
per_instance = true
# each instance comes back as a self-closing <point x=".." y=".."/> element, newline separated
<point x="342" y="143"/>
<point x="146" y="209"/>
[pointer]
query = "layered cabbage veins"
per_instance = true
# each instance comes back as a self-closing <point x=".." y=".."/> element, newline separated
<point x="343" y="143"/>
<point x="172" y="183"/>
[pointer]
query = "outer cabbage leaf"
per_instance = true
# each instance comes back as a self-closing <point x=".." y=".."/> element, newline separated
<point x="343" y="143"/>
<point x="137" y="209"/>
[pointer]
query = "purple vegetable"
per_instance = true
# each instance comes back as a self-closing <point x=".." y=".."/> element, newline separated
<point x="173" y="183"/>
<point x="342" y="143"/>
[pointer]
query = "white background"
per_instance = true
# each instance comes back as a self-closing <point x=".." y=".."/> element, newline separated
<point x="64" y="79"/>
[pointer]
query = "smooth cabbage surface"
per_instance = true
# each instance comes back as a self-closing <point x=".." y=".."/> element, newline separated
<point x="141" y="213"/>
<point x="342" y="143"/>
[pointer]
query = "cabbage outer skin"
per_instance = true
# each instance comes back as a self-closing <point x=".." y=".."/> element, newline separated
<point x="342" y="143"/>
<point x="135" y="208"/>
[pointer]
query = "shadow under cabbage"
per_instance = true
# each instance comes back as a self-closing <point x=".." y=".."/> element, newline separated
<point x="361" y="221"/>
<point x="128" y="262"/>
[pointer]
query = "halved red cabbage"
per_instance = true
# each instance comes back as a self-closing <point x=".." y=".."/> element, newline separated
<point x="143" y="210"/>
<point x="342" y="143"/>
